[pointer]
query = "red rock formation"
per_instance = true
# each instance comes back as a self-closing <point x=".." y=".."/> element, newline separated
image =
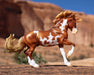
<point x="20" y="17"/>
<point x="10" y="19"/>
<point x="37" y="16"/>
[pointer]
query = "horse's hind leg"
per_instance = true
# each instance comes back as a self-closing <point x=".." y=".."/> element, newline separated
<point x="31" y="61"/>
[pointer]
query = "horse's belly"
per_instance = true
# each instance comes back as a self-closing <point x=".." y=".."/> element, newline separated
<point x="48" y="39"/>
<point x="49" y="43"/>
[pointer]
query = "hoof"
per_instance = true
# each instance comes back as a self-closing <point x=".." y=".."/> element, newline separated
<point x="35" y="66"/>
<point x="68" y="56"/>
<point x="68" y="64"/>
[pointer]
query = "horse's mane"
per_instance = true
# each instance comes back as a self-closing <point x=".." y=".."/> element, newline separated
<point x="64" y="14"/>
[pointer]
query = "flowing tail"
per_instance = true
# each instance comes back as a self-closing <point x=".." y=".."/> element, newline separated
<point x="11" y="47"/>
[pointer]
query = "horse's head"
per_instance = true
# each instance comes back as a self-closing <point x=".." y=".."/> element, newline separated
<point x="71" y="20"/>
<point x="72" y="25"/>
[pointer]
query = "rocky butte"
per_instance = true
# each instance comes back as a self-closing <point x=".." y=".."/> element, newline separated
<point x="20" y="17"/>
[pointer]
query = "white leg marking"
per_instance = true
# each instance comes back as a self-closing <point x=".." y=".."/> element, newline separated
<point x="64" y="57"/>
<point x="70" y="52"/>
<point x="32" y="62"/>
<point x="42" y="40"/>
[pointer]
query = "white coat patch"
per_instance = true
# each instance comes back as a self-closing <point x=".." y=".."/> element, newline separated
<point x="36" y="32"/>
<point x="63" y="24"/>
<point x="28" y="35"/>
<point x="32" y="62"/>
<point x="51" y="42"/>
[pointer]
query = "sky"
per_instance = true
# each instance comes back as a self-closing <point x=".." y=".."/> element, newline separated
<point x="86" y="6"/>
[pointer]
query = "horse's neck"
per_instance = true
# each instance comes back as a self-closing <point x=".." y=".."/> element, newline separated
<point x="60" y="27"/>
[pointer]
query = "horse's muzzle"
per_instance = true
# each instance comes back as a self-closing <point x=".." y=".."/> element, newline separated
<point x="74" y="30"/>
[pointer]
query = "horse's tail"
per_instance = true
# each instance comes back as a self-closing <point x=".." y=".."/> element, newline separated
<point x="12" y="47"/>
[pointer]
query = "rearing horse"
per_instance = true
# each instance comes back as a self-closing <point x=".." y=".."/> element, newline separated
<point x="57" y="35"/>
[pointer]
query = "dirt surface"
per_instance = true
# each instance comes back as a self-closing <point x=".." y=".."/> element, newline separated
<point x="83" y="62"/>
<point x="45" y="70"/>
<point x="55" y="65"/>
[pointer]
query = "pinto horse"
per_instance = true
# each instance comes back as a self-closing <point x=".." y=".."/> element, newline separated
<point x="57" y="35"/>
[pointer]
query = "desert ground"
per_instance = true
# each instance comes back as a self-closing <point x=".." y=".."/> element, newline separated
<point x="45" y="70"/>
<point x="54" y="63"/>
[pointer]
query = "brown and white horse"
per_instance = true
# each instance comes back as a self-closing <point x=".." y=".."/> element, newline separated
<point x="57" y="35"/>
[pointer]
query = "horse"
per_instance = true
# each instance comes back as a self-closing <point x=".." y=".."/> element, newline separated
<point x="57" y="35"/>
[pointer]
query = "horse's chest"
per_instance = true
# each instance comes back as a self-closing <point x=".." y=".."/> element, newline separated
<point x="49" y="40"/>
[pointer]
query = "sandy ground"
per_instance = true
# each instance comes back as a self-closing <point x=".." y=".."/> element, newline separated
<point x="46" y="70"/>
<point x="55" y="65"/>
<point x="84" y="62"/>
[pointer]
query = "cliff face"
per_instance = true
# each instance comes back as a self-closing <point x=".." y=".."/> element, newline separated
<point x="37" y="16"/>
<point x="10" y="19"/>
<point x="21" y="17"/>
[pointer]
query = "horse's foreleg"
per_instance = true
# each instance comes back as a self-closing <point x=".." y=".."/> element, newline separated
<point x="31" y="61"/>
<point x="66" y="42"/>
<point x="70" y="52"/>
<point x="66" y="62"/>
